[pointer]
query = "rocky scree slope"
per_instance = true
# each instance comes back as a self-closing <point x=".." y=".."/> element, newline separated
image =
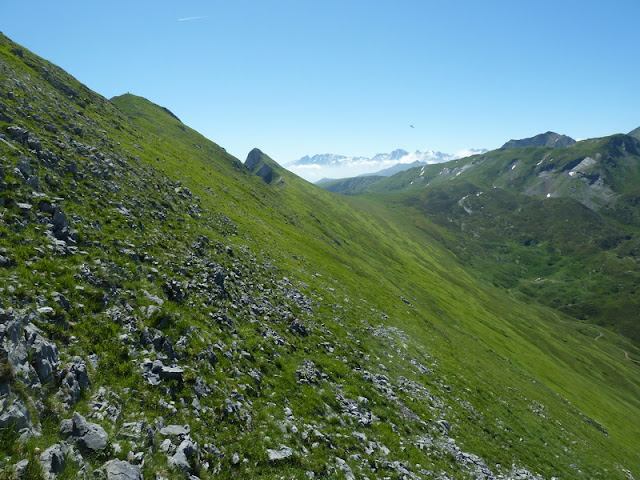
<point x="145" y="331"/>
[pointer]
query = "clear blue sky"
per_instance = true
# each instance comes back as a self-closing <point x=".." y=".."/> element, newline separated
<point x="304" y="76"/>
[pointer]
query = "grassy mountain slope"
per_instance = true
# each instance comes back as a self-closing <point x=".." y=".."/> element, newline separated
<point x="350" y="186"/>
<point x="600" y="173"/>
<point x="548" y="139"/>
<point x="295" y="332"/>
<point x="558" y="224"/>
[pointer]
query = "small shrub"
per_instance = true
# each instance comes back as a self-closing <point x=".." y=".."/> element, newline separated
<point x="34" y="469"/>
<point x="6" y="371"/>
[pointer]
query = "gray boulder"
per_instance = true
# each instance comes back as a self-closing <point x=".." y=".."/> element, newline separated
<point x="74" y="380"/>
<point x="20" y="468"/>
<point x="151" y="371"/>
<point x="298" y="327"/>
<point x="160" y="342"/>
<point x="18" y="133"/>
<point x="44" y="354"/>
<point x="186" y="454"/>
<point x="60" y="220"/>
<point x="220" y="277"/>
<point x="12" y="326"/>
<point x="33" y="182"/>
<point x="182" y="431"/>
<point x="62" y="228"/>
<point x="282" y="453"/>
<point x="25" y="167"/>
<point x="18" y="357"/>
<point x="171" y="373"/>
<point x="15" y="416"/>
<point x="52" y="460"/>
<point x="153" y="298"/>
<point x="175" y="291"/>
<point x="444" y="426"/>
<point x="6" y="262"/>
<point x="88" y="436"/>
<point x="154" y="371"/>
<point x="121" y="470"/>
<point x="14" y="350"/>
<point x="34" y="144"/>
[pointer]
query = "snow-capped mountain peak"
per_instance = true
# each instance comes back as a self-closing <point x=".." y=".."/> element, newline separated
<point x="328" y="165"/>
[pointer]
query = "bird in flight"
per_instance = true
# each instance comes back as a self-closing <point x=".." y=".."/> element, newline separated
<point x="411" y="126"/>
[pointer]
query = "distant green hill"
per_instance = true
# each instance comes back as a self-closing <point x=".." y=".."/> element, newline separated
<point x="167" y="311"/>
<point x="559" y="224"/>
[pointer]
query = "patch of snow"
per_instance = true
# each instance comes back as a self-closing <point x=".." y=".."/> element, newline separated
<point x="462" y="204"/>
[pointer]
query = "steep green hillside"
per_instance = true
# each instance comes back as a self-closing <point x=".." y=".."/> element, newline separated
<point x="558" y="224"/>
<point x="169" y="313"/>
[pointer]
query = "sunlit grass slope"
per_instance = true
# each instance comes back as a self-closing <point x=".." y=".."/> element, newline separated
<point x="484" y="337"/>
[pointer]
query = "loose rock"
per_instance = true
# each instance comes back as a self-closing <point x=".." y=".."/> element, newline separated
<point x="121" y="470"/>
<point x="88" y="436"/>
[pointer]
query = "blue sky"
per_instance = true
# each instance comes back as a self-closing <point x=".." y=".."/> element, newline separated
<point x="348" y="77"/>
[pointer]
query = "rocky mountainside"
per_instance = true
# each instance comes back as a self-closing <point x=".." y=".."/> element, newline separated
<point x="549" y="139"/>
<point x="167" y="311"/>
<point x="264" y="167"/>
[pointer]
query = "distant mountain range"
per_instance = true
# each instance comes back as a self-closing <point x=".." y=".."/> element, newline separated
<point x="328" y="165"/>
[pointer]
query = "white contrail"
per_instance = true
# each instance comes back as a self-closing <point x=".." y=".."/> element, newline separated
<point x="190" y="18"/>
